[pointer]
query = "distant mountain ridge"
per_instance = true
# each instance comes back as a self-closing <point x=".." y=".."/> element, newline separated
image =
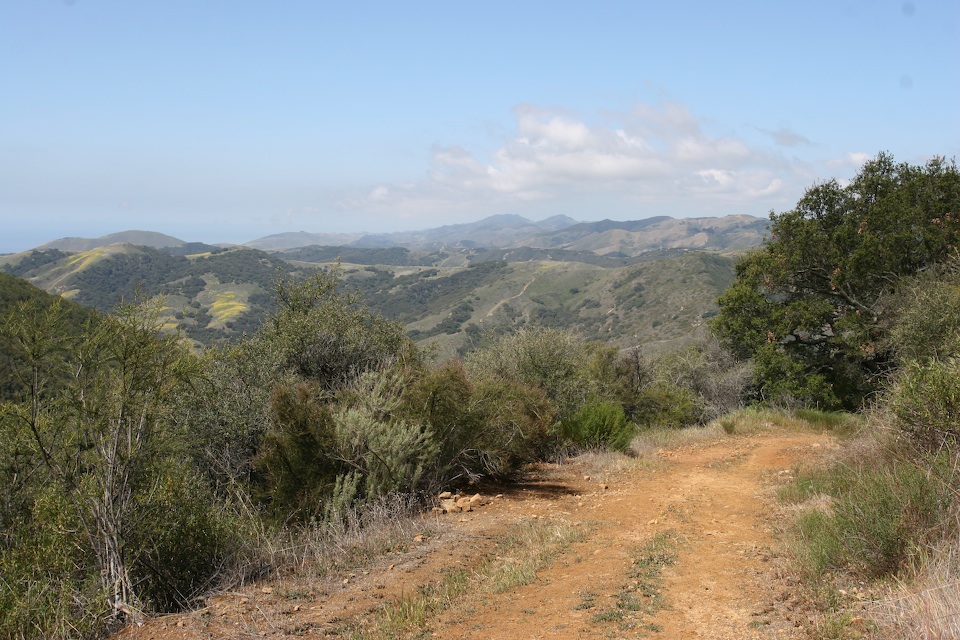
<point x="612" y="238"/>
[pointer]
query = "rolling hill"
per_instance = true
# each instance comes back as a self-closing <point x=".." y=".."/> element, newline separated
<point x="141" y="238"/>
<point x="650" y="282"/>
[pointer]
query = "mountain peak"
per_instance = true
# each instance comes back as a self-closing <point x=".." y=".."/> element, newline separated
<point x="139" y="238"/>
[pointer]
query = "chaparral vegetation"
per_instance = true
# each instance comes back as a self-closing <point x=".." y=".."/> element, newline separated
<point x="139" y="473"/>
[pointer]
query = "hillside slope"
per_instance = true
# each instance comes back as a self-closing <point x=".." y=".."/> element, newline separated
<point x="451" y="301"/>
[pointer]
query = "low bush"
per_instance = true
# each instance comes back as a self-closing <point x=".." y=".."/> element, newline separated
<point x="483" y="427"/>
<point x="293" y="472"/>
<point x="925" y="401"/>
<point x="669" y="406"/>
<point x="599" y="424"/>
<point x="48" y="588"/>
<point x="180" y="540"/>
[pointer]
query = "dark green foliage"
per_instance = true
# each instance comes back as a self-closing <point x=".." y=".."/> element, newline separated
<point x="101" y="444"/>
<point x="322" y="334"/>
<point x="396" y="256"/>
<point x="554" y="361"/>
<point x="242" y="265"/>
<point x="484" y="428"/>
<point x="179" y="538"/>
<point x="667" y="405"/>
<point x="106" y="283"/>
<point x="452" y="323"/>
<point x="294" y="464"/>
<point x="814" y="292"/>
<point x="923" y="322"/>
<point x="411" y="298"/>
<point x="925" y="401"/>
<point x="35" y="260"/>
<point x="599" y="424"/>
<point x="516" y="421"/>
<point x="19" y="299"/>
<point x="221" y="417"/>
<point x="49" y="587"/>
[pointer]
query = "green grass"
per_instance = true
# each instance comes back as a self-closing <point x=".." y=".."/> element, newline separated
<point x="642" y="597"/>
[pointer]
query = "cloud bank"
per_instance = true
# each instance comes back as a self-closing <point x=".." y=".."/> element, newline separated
<point x="653" y="159"/>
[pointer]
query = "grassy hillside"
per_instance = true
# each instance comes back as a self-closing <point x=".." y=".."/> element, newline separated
<point x="451" y="300"/>
<point x="214" y="295"/>
<point x="656" y="303"/>
<point x="139" y="238"/>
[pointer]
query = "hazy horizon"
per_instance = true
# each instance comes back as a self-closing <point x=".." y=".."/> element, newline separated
<point x="358" y="233"/>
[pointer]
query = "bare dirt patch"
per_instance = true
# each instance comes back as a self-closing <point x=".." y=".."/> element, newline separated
<point x="685" y="547"/>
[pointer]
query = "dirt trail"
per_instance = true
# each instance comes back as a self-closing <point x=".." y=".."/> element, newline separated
<point x="499" y="304"/>
<point x="714" y="500"/>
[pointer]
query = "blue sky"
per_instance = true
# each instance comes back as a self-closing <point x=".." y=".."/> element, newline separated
<point x="224" y="121"/>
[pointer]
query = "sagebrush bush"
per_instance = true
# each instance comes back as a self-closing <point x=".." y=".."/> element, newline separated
<point x="599" y="424"/>
<point x="925" y="401"/>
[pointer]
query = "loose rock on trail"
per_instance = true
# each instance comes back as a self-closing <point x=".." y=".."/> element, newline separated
<point x="720" y="574"/>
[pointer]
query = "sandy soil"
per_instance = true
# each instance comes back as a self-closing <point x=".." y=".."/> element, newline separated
<point x="715" y="499"/>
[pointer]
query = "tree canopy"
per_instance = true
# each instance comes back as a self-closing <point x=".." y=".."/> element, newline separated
<point x="809" y="306"/>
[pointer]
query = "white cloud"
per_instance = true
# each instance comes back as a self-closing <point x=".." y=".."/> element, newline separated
<point x="655" y="156"/>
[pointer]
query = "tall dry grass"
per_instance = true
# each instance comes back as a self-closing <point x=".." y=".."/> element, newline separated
<point x="928" y="606"/>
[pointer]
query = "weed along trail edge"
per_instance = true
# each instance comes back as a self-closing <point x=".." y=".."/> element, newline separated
<point x="675" y="543"/>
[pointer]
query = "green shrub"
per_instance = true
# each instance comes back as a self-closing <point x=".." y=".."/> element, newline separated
<point x="925" y="315"/>
<point x="487" y="427"/>
<point x="516" y="421"/>
<point x="668" y="405"/>
<point x="48" y="583"/>
<point x="880" y="515"/>
<point x="710" y="373"/>
<point x="926" y="403"/>
<point x="179" y="540"/>
<point x="566" y="369"/>
<point x="599" y="424"/>
<point x="322" y="334"/>
<point x="294" y="472"/>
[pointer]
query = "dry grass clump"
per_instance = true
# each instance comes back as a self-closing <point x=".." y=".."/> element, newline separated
<point x="928" y="608"/>
<point x="360" y="536"/>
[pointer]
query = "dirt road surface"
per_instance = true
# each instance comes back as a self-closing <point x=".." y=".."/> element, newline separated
<point x="722" y="573"/>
